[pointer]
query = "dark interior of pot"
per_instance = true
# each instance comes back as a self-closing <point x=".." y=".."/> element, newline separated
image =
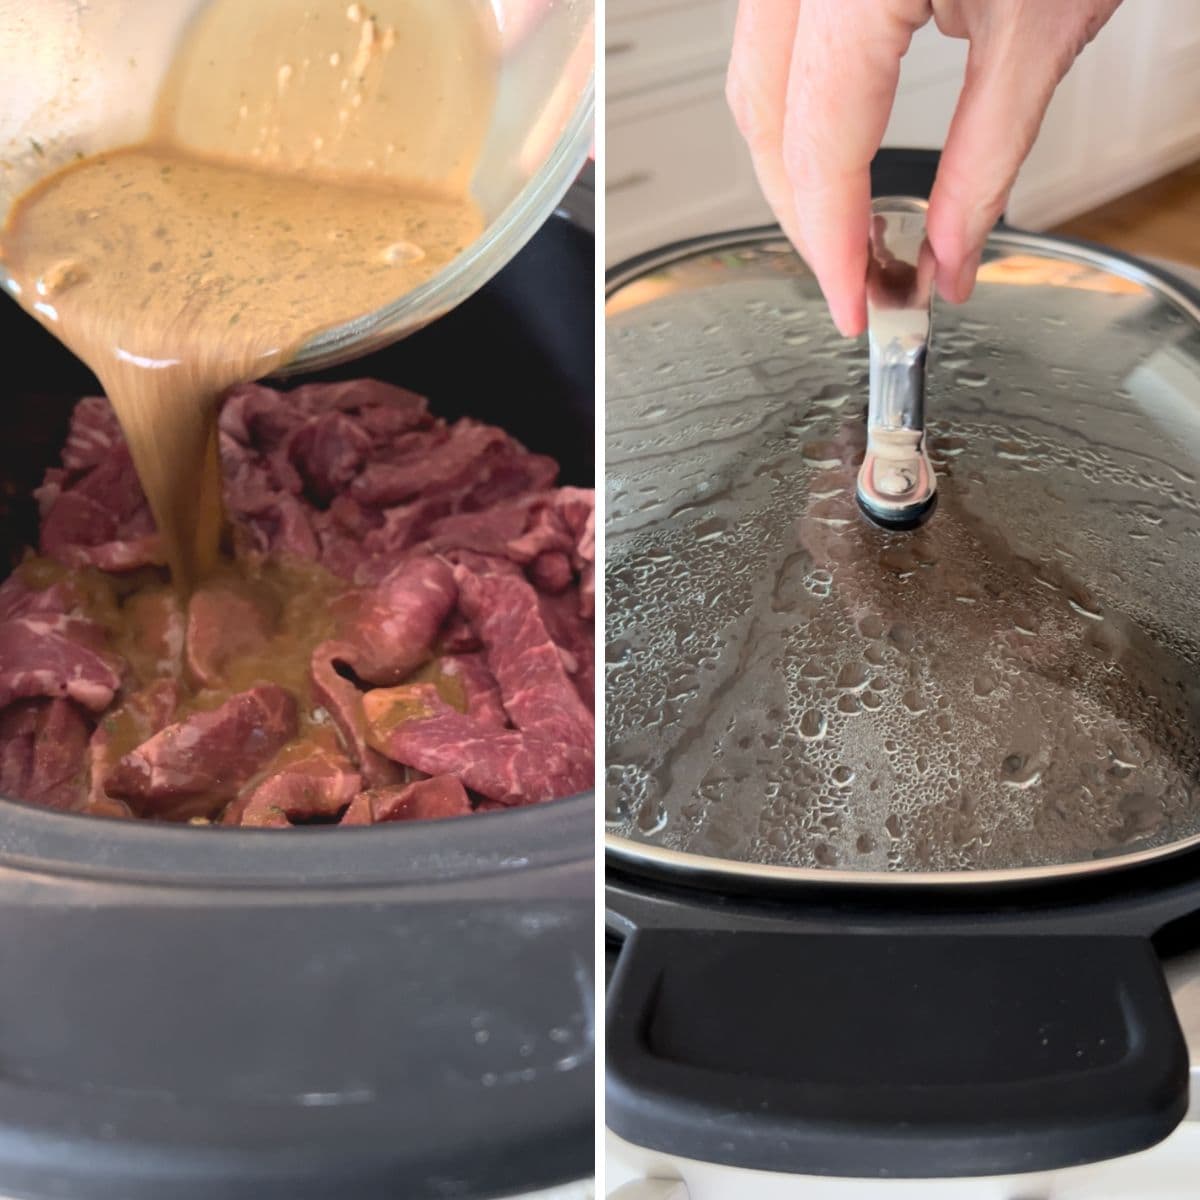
<point x="397" y="1010"/>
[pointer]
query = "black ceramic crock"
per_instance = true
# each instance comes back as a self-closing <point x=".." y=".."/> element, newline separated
<point x="812" y="1026"/>
<point x="394" y="1011"/>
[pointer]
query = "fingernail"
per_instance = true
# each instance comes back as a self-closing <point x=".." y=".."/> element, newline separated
<point x="964" y="285"/>
<point x="850" y="319"/>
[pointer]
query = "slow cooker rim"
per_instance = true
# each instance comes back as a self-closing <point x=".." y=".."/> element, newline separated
<point x="537" y="837"/>
<point x="1151" y="275"/>
<point x="706" y="871"/>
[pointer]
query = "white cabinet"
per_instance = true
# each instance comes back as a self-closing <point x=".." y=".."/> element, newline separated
<point x="676" y="165"/>
<point x="1128" y="112"/>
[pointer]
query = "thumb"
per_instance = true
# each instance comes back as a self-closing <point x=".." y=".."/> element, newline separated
<point x="1011" y="76"/>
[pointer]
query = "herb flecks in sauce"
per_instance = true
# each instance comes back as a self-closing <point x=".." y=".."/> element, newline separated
<point x="269" y="203"/>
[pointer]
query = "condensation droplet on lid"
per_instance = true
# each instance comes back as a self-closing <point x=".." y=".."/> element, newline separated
<point x="813" y="725"/>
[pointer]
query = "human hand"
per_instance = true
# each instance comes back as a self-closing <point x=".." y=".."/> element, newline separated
<point x="811" y="85"/>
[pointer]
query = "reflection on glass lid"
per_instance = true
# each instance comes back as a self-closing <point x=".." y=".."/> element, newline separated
<point x="1015" y="685"/>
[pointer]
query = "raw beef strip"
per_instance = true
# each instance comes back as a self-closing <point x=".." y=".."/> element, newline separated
<point x="54" y="655"/>
<point x="577" y="507"/>
<point x="94" y="433"/>
<point x="539" y="695"/>
<point x="273" y="521"/>
<point x="258" y="416"/>
<point x="43" y="746"/>
<point x="575" y="638"/>
<point x="328" y="452"/>
<point x="385" y="708"/>
<point x="99" y="518"/>
<point x="348" y="516"/>
<point x="487" y="532"/>
<point x="316" y="783"/>
<point x="394" y="409"/>
<point x="478" y="464"/>
<point x="343" y="702"/>
<point x="458" y="637"/>
<point x="18" y="599"/>
<point x="142" y="715"/>
<point x="223" y="624"/>
<point x="551" y="572"/>
<point x="285" y="529"/>
<point x="483" y="564"/>
<point x="587" y="592"/>
<point x="193" y="767"/>
<point x="158" y="625"/>
<point x="501" y="765"/>
<point x="479" y="686"/>
<point x="402" y="528"/>
<point x="391" y="628"/>
<point x="427" y="799"/>
<point x="282" y="526"/>
<point x="547" y="531"/>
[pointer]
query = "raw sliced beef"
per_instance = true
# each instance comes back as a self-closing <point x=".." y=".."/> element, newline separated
<point x="547" y="531"/>
<point x="98" y="516"/>
<point x="573" y="637"/>
<point x="328" y="452"/>
<point x="384" y="709"/>
<point x="384" y="409"/>
<point x="458" y="637"/>
<point x="43" y="749"/>
<point x="343" y="702"/>
<point x="587" y="593"/>
<point x="93" y="436"/>
<point x="193" y="768"/>
<point x="470" y="578"/>
<point x="502" y="765"/>
<point x="476" y="465"/>
<point x="489" y="531"/>
<point x="480" y="689"/>
<point x="317" y="782"/>
<point x="138" y="719"/>
<point x="57" y="656"/>
<point x="551" y="572"/>
<point x="425" y="800"/>
<point x="391" y="628"/>
<point x="18" y="599"/>
<point x="223" y="624"/>
<point x="157" y="624"/>
<point x="538" y="693"/>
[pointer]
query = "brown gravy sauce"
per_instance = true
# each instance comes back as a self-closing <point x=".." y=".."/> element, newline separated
<point x="301" y="170"/>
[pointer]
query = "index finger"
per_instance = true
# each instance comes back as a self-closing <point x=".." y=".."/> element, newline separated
<point x="844" y="71"/>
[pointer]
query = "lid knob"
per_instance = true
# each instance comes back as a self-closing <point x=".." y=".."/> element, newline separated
<point x="897" y="488"/>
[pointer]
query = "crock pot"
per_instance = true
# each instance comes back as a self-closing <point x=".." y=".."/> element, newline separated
<point x="820" y="968"/>
<point x="398" y="1011"/>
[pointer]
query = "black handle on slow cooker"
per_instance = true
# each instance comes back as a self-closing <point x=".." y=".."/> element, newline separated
<point x="898" y="171"/>
<point x="876" y="1055"/>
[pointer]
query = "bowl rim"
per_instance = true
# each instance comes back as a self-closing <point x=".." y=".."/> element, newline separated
<point x="484" y="258"/>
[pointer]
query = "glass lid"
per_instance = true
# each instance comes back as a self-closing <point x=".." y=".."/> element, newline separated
<point x="1010" y="690"/>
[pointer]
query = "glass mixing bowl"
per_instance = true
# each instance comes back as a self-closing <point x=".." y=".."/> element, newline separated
<point x="83" y="76"/>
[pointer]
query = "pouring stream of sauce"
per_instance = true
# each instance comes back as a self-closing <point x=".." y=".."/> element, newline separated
<point x="300" y="171"/>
